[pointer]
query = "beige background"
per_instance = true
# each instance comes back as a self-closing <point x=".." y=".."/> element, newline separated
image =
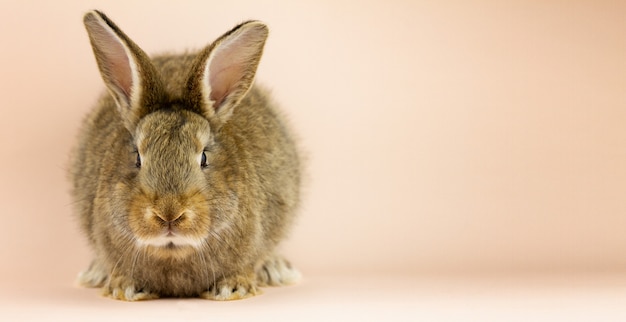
<point x="460" y="137"/>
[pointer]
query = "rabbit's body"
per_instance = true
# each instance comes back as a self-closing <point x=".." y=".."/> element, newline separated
<point x="181" y="191"/>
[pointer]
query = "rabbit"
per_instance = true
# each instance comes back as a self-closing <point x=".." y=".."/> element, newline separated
<point x="185" y="176"/>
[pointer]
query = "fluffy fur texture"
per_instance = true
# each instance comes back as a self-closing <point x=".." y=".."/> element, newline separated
<point x="185" y="176"/>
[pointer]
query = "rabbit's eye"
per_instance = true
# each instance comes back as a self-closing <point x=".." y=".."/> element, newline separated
<point x="203" y="160"/>
<point x="138" y="162"/>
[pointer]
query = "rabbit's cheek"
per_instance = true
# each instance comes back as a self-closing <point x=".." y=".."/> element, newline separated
<point x="135" y="210"/>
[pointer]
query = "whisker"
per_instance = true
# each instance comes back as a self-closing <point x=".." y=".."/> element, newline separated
<point x="108" y="285"/>
<point x="204" y="264"/>
<point x="132" y="270"/>
<point x="210" y="266"/>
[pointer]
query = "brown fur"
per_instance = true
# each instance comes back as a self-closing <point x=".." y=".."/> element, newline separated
<point x="236" y="210"/>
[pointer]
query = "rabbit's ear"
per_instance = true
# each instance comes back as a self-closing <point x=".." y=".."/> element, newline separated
<point x="126" y="69"/>
<point x="224" y="71"/>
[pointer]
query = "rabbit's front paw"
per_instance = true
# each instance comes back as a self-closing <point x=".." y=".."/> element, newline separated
<point x="121" y="288"/>
<point x="277" y="271"/>
<point x="232" y="288"/>
<point x="94" y="276"/>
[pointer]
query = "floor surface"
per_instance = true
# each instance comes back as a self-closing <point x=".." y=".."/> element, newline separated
<point x="341" y="298"/>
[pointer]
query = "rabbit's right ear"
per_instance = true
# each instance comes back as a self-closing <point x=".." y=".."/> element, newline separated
<point x="224" y="71"/>
<point x="126" y="69"/>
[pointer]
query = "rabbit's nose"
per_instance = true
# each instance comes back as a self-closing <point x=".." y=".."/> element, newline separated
<point x="170" y="217"/>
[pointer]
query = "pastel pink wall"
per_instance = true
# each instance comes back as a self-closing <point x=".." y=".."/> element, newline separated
<point x="443" y="136"/>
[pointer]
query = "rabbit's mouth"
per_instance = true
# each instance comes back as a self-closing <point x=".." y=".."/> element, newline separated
<point x="170" y="240"/>
<point x="168" y="227"/>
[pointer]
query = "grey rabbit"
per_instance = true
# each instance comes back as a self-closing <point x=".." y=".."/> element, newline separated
<point x="186" y="176"/>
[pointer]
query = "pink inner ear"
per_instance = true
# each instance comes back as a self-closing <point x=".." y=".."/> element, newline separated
<point x="121" y="68"/>
<point x="225" y="73"/>
<point x="232" y="59"/>
<point x="115" y="63"/>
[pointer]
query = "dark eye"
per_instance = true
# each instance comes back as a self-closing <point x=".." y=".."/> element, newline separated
<point x="203" y="160"/>
<point x="138" y="162"/>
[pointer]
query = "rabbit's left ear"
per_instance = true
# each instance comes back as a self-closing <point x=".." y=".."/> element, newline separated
<point x="126" y="70"/>
<point x="223" y="72"/>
